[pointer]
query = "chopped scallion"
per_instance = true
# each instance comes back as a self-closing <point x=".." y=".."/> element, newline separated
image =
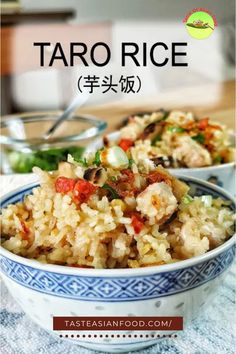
<point x="156" y="139"/>
<point x="200" y="138"/>
<point x="97" y="159"/>
<point x="131" y="161"/>
<point x="176" y="129"/>
<point x="112" y="191"/>
<point x="187" y="199"/>
<point x="217" y="159"/>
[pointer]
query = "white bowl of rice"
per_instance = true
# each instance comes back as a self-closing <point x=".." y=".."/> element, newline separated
<point x="90" y="244"/>
<point x="178" y="141"/>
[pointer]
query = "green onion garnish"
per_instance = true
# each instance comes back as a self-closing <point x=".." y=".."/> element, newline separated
<point x="176" y="129"/>
<point x="114" y="195"/>
<point x="97" y="160"/>
<point x="82" y="162"/>
<point x="156" y="139"/>
<point x="217" y="159"/>
<point x="200" y="138"/>
<point x="187" y="199"/>
<point x="131" y="161"/>
<point x="165" y="116"/>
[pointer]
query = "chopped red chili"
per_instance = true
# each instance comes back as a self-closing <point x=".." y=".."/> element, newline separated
<point x="203" y="123"/>
<point x="24" y="227"/>
<point x="83" y="190"/>
<point x="25" y="231"/>
<point x="64" y="184"/>
<point x="137" y="223"/>
<point x="125" y="144"/>
<point x="208" y="135"/>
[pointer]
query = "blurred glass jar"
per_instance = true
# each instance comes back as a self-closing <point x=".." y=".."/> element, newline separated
<point x="23" y="145"/>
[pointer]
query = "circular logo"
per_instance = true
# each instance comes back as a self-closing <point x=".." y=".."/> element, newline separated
<point x="200" y="25"/>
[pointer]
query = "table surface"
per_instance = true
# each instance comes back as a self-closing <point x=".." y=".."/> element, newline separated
<point x="216" y="100"/>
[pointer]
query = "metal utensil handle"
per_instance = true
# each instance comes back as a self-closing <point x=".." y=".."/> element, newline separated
<point x="77" y="102"/>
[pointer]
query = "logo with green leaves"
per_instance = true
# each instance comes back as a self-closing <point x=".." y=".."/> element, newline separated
<point x="200" y="25"/>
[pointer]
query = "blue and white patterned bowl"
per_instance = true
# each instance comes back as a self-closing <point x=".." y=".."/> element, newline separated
<point x="179" y="289"/>
<point x="221" y="175"/>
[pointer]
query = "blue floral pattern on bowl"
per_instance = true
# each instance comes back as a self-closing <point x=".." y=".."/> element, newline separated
<point x="117" y="288"/>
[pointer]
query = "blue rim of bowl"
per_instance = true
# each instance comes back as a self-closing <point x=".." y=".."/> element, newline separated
<point x="96" y="129"/>
<point x="124" y="272"/>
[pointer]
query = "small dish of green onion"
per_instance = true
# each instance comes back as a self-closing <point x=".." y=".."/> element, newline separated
<point x="23" y="145"/>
